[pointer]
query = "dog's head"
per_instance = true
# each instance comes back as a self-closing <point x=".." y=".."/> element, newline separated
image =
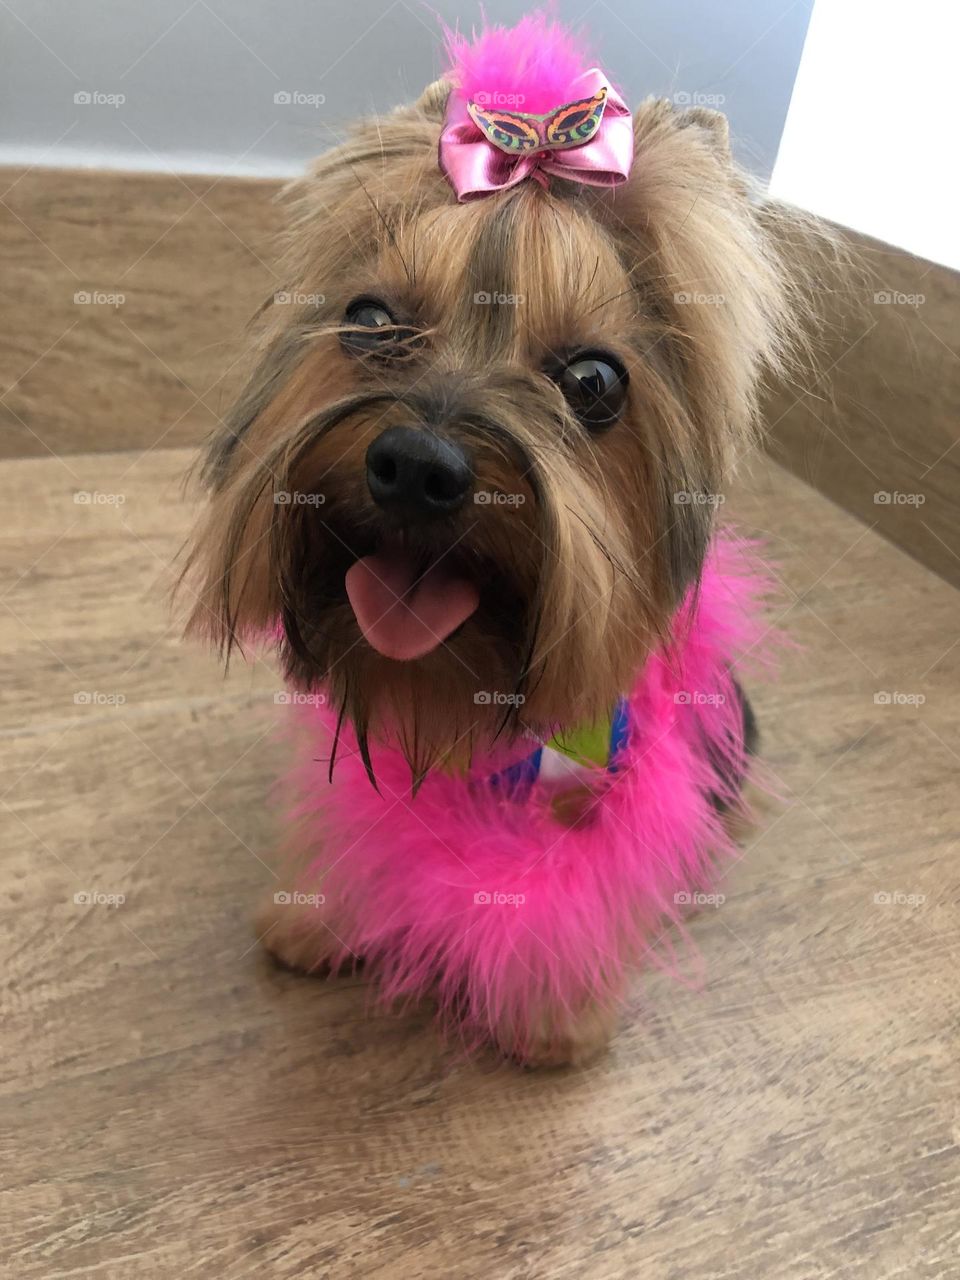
<point x="476" y="465"/>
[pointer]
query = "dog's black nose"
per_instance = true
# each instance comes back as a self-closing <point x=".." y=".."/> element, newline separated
<point x="417" y="473"/>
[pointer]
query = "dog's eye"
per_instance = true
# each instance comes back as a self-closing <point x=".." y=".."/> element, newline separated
<point x="595" y="385"/>
<point x="369" y="313"/>
<point x="374" y="327"/>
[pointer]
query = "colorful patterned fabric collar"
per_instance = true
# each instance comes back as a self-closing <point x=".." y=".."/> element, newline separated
<point x="589" y="746"/>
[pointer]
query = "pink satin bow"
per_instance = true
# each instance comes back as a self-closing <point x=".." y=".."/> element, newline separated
<point x="475" y="167"/>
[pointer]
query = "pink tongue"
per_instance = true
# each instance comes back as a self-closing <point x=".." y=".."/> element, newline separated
<point x="402" y="613"/>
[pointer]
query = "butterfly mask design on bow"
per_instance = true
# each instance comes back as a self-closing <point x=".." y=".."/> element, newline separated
<point x="516" y="131"/>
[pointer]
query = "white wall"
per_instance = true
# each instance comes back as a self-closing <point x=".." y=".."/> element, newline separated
<point x="199" y="77"/>
<point x="871" y="136"/>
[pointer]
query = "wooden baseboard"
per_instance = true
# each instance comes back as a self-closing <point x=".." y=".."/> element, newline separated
<point x="192" y="258"/>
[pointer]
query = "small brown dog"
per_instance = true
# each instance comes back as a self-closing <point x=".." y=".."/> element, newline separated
<point x="527" y="387"/>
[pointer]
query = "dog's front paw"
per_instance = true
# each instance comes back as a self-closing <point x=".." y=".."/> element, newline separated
<point x="294" y="929"/>
<point x="562" y="1039"/>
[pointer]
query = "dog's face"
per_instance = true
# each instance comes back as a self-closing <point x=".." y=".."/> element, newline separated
<point x="475" y="469"/>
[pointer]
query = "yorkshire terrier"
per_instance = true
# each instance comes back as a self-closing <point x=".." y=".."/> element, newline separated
<point x="470" y="494"/>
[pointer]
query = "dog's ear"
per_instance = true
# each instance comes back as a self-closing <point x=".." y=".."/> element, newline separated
<point x="656" y="117"/>
<point x="432" y="103"/>
<point x="712" y="126"/>
<point x="717" y="285"/>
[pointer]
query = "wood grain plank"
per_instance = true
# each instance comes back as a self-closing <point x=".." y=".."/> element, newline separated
<point x="877" y="429"/>
<point x="190" y="257"/>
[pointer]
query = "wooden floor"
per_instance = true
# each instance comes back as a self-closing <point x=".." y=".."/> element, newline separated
<point x="172" y="1106"/>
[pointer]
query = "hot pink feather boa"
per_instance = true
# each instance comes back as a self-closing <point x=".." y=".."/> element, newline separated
<point x="495" y="908"/>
